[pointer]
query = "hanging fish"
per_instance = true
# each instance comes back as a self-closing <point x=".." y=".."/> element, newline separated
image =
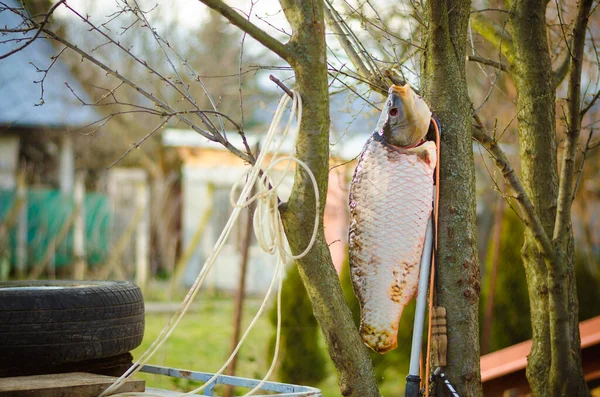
<point x="390" y="204"/>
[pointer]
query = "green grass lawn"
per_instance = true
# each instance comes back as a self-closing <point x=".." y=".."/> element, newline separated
<point x="202" y="342"/>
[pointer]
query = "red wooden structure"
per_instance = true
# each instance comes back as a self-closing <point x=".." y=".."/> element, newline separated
<point x="503" y="371"/>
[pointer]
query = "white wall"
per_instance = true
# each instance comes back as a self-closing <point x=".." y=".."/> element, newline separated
<point x="9" y="158"/>
<point x="225" y="273"/>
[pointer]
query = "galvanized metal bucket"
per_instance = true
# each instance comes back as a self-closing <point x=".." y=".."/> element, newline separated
<point x="281" y="389"/>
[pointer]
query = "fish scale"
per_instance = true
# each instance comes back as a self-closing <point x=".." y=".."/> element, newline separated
<point x="390" y="203"/>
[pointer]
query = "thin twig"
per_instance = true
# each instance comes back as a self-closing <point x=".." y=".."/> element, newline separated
<point x="241" y="82"/>
<point x="127" y="51"/>
<point x="531" y="219"/>
<point x="41" y="27"/>
<point x="488" y="62"/>
<point x="45" y="71"/>
<point x="589" y="105"/>
<point x="138" y="143"/>
<point x="208" y="135"/>
<point x="281" y="85"/>
<point x="580" y="171"/>
<point x="490" y="9"/>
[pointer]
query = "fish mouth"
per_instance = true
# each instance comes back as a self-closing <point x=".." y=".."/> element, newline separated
<point x="395" y="132"/>
<point x="400" y="90"/>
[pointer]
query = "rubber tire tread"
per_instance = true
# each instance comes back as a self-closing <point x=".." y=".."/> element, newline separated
<point x="80" y="321"/>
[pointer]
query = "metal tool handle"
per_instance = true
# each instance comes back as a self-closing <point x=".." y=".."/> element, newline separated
<point x="413" y="372"/>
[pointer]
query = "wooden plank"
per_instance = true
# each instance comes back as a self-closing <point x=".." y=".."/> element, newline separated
<point x="73" y="384"/>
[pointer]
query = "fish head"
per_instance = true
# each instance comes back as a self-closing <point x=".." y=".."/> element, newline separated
<point x="405" y="118"/>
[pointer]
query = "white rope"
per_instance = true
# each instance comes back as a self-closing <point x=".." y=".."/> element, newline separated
<point x="269" y="232"/>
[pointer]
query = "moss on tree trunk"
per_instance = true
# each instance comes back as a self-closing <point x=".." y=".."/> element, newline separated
<point x="554" y="365"/>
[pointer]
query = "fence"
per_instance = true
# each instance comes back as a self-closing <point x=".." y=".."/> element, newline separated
<point x="42" y="233"/>
<point x="45" y="232"/>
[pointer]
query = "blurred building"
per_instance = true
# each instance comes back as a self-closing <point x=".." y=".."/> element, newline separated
<point x="210" y="171"/>
<point x="38" y="110"/>
<point x="503" y="371"/>
<point x="41" y="113"/>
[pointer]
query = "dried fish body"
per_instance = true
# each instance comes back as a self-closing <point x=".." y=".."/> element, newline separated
<point x="390" y="204"/>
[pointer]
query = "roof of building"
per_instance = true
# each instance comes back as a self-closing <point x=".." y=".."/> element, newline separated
<point x="20" y="86"/>
<point x="346" y="148"/>
<point x="514" y="358"/>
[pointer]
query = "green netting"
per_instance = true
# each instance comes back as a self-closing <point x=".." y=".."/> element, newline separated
<point x="47" y="212"/>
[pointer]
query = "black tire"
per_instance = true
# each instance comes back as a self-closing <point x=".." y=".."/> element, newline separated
<point x="50" y="323"/>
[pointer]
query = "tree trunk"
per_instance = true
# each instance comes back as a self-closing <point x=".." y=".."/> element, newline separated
<point x="458" y="276"/>
<point x="554" y="366"/>
<point x="344" y="344"/>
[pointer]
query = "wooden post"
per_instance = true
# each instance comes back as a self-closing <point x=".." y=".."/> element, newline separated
<point x="142" y="239"/>
<point x="241" y="292"/>
<point x="12" y="216"/>
<point x="22" y="226"/>
<point x="51" y="260"/>
<point x="67" y="164"/>
<point x="79" y="232"/>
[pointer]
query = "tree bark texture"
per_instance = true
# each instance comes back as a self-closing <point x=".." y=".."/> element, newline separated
<point x="458" y="274"/>
<point x="306" y="53"/>
<point x="554" y="365"/>
<point x="349" y="354"/>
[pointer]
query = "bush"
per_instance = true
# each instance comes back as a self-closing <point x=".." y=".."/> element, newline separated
<point x="301" y="359"/>
<point x="511" y="321"/>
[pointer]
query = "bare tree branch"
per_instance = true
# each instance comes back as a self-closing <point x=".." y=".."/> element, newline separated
<point x="488" y="62"/>
<point x="561" y="72"/>
<point x="244" y="24"/>
<point x="138" y="143"/>
<point x="281" y="85"/>
<point x="355" y="48"/>
<point x="567" y="172"/>
<point x="490" y="9"/>
<point x="580" y="170"/>
<point x="41" y="27"/>
<point x="589" y="105"/>
<point x="512" y="180"/>
<point x="140" y="61"/>
<point x="494" y="34"/>
<point x="54" y="58"/>
<point x="142" y="17"/>
<point x="370" y="75"/>
<point x="397" y="80"/>
<point x="212" y="136"/>
<point x="344" y="42"/>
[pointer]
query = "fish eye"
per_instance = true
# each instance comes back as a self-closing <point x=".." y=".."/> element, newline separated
<point x="393" y="112"/>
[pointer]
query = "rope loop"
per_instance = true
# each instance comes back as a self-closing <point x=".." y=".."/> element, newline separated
<point x="268" y="229"/>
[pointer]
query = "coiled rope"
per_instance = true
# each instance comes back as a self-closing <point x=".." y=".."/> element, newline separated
<point x="268" y="228"/>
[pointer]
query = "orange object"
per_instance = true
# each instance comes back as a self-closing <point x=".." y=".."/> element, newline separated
<point x="505" y="369"/>
<point x="432" y="273"/>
